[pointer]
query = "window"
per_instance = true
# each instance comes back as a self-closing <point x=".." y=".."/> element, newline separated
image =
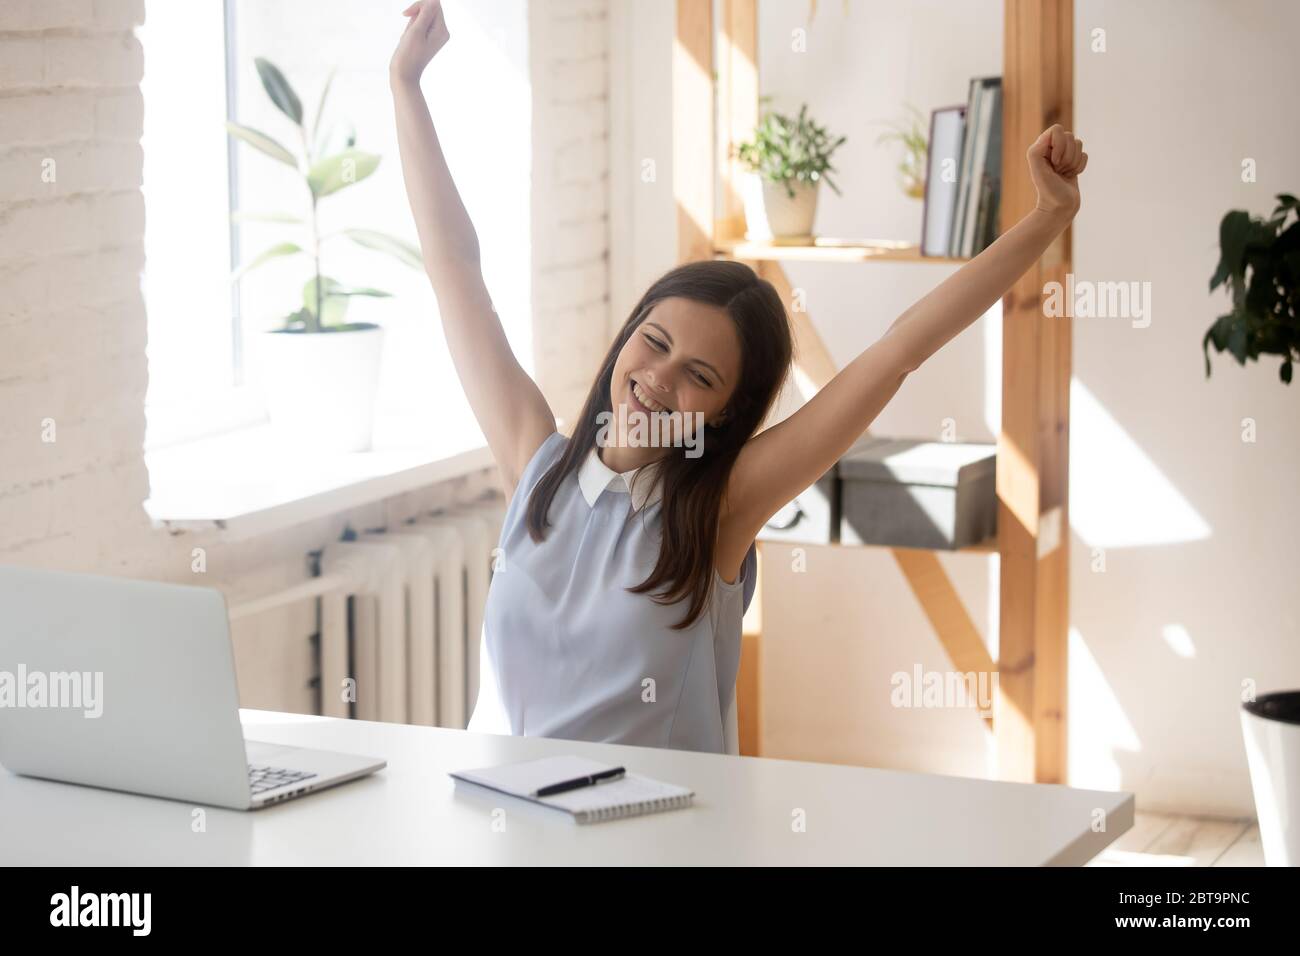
<point x="203" y="331"/>
<point x="194" y="345"/>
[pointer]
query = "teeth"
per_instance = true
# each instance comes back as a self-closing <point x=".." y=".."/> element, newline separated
<point x="645" y="399"/>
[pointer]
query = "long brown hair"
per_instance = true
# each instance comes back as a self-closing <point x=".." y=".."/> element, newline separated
<point x="693" y="488"/>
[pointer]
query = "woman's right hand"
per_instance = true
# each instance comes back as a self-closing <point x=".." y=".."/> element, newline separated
<point x="425" y="34"/>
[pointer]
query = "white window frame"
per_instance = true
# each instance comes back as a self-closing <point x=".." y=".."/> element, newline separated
<point x="172" y="420"/>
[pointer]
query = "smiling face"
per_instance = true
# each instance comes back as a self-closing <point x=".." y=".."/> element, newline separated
<point x="683" y="358"/>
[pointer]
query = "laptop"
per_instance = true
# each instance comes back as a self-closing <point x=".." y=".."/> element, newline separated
<point x="130" y="685"/>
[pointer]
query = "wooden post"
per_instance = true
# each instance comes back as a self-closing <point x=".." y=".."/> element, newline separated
<point x="693" y="120"/>
<point x="737" y="106"/>
<point x="1033" y="445"/>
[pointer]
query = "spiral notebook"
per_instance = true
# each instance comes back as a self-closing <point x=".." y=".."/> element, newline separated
<point x="628" y="796"/>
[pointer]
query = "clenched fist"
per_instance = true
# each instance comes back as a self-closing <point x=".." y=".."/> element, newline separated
<point x="1056" y="159"/>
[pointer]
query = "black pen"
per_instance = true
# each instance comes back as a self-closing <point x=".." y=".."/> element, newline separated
<point x="588" y="781"/>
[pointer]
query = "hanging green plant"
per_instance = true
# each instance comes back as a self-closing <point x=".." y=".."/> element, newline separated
<point x="1259" y="262"/>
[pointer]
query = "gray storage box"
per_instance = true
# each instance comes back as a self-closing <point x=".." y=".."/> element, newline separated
<point x="814" y="515"/>
<point x="812" y="518"/>
<point x="908" y="493"/>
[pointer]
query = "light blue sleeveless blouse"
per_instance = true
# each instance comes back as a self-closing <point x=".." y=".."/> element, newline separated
<point x="567" y="652"/>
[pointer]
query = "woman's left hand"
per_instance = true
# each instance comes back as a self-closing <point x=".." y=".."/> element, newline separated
<point x="1056" y="159"/>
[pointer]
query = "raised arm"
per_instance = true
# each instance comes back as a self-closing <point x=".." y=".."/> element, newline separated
<point x="781" y="462"/>
<point x="508" y="405"/>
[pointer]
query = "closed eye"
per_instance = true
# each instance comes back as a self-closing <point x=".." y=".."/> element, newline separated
<point x="660" y="346"/>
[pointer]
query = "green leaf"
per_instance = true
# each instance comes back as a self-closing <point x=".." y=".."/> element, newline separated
<point x="1237" y="342"/>
<point x="333" y="173"/>
<point x="293" y="318"/>
<point x="1221" y="274"/>
<point x="333" y="308"/>
<point x="279" y="90"/>
<point x="366" y="291"/>
<point x="399" y="249"/>
<point x="1262" y="290"/>
<point x="241" y="216"/>
<point x="1291" y="262"/>
<point x="263" y="142"/>
<point x="1234" y="230"/>
<point x="1219" y="331"/>
<point x="334" y="298"/>
<point x="320" y="109"/>
<point x="275" y="252"/>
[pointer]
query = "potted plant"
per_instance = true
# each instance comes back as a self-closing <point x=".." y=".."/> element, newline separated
<point x="1259" y="261"/>
<point x="320" y="372"/>
<point x="911" y="168"/>
<point x="1271" y="727"/>
<point x="1263" y="316"/>
<point x="786" y="160"/>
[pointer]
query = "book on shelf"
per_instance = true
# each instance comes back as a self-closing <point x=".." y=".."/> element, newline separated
<point x="943" y="160"/>
<point x="960" y="218"/>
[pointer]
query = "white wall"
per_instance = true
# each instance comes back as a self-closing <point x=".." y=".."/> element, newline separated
<point x="569" y="48"/>
<point x="1196" y="525"/>
<point x="643" y="219"/>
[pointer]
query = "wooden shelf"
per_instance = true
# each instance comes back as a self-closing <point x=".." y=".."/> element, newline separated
<point x="987" y="546"/>
<point x="715" y="105"/>
<point x="828" y="250"/>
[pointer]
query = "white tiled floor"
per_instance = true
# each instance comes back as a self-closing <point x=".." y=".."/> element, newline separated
<point x="1158" y="839"/>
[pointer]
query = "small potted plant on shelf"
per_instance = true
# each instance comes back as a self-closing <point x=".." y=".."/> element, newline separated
<point x="1263" y="317"/>
<point x="320" y="372"/>
<point x="786" y="161"/>
<point x="911" y="168"/>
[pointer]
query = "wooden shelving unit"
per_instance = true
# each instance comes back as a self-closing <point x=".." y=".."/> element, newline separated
<point x="826" y="250"/>
<point x="1033" y="443"/>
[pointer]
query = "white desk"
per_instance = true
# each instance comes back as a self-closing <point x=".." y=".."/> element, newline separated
<point x="410" y="813"/>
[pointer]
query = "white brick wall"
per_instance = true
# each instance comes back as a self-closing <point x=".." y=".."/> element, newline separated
<point x="72" y="317"/>
<point x="568" y="52"/>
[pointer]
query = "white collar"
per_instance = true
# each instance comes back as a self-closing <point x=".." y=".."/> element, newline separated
<point x="595" y="477"/>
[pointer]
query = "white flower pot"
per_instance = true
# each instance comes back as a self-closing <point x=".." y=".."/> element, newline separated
<point x="320" y="388"/>
<point x="1271" y="726"/>
<point x="770" y="213"/>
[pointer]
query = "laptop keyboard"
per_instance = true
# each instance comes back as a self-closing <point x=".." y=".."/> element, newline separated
<point x="268" y="778"/>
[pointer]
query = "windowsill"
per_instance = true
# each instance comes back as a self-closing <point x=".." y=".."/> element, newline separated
<point x="247" y="483"/>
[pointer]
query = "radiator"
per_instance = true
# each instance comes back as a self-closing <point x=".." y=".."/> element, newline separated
<point x="401" y="617"/>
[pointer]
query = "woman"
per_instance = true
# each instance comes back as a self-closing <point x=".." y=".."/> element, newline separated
<point x="628" y="562"/>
